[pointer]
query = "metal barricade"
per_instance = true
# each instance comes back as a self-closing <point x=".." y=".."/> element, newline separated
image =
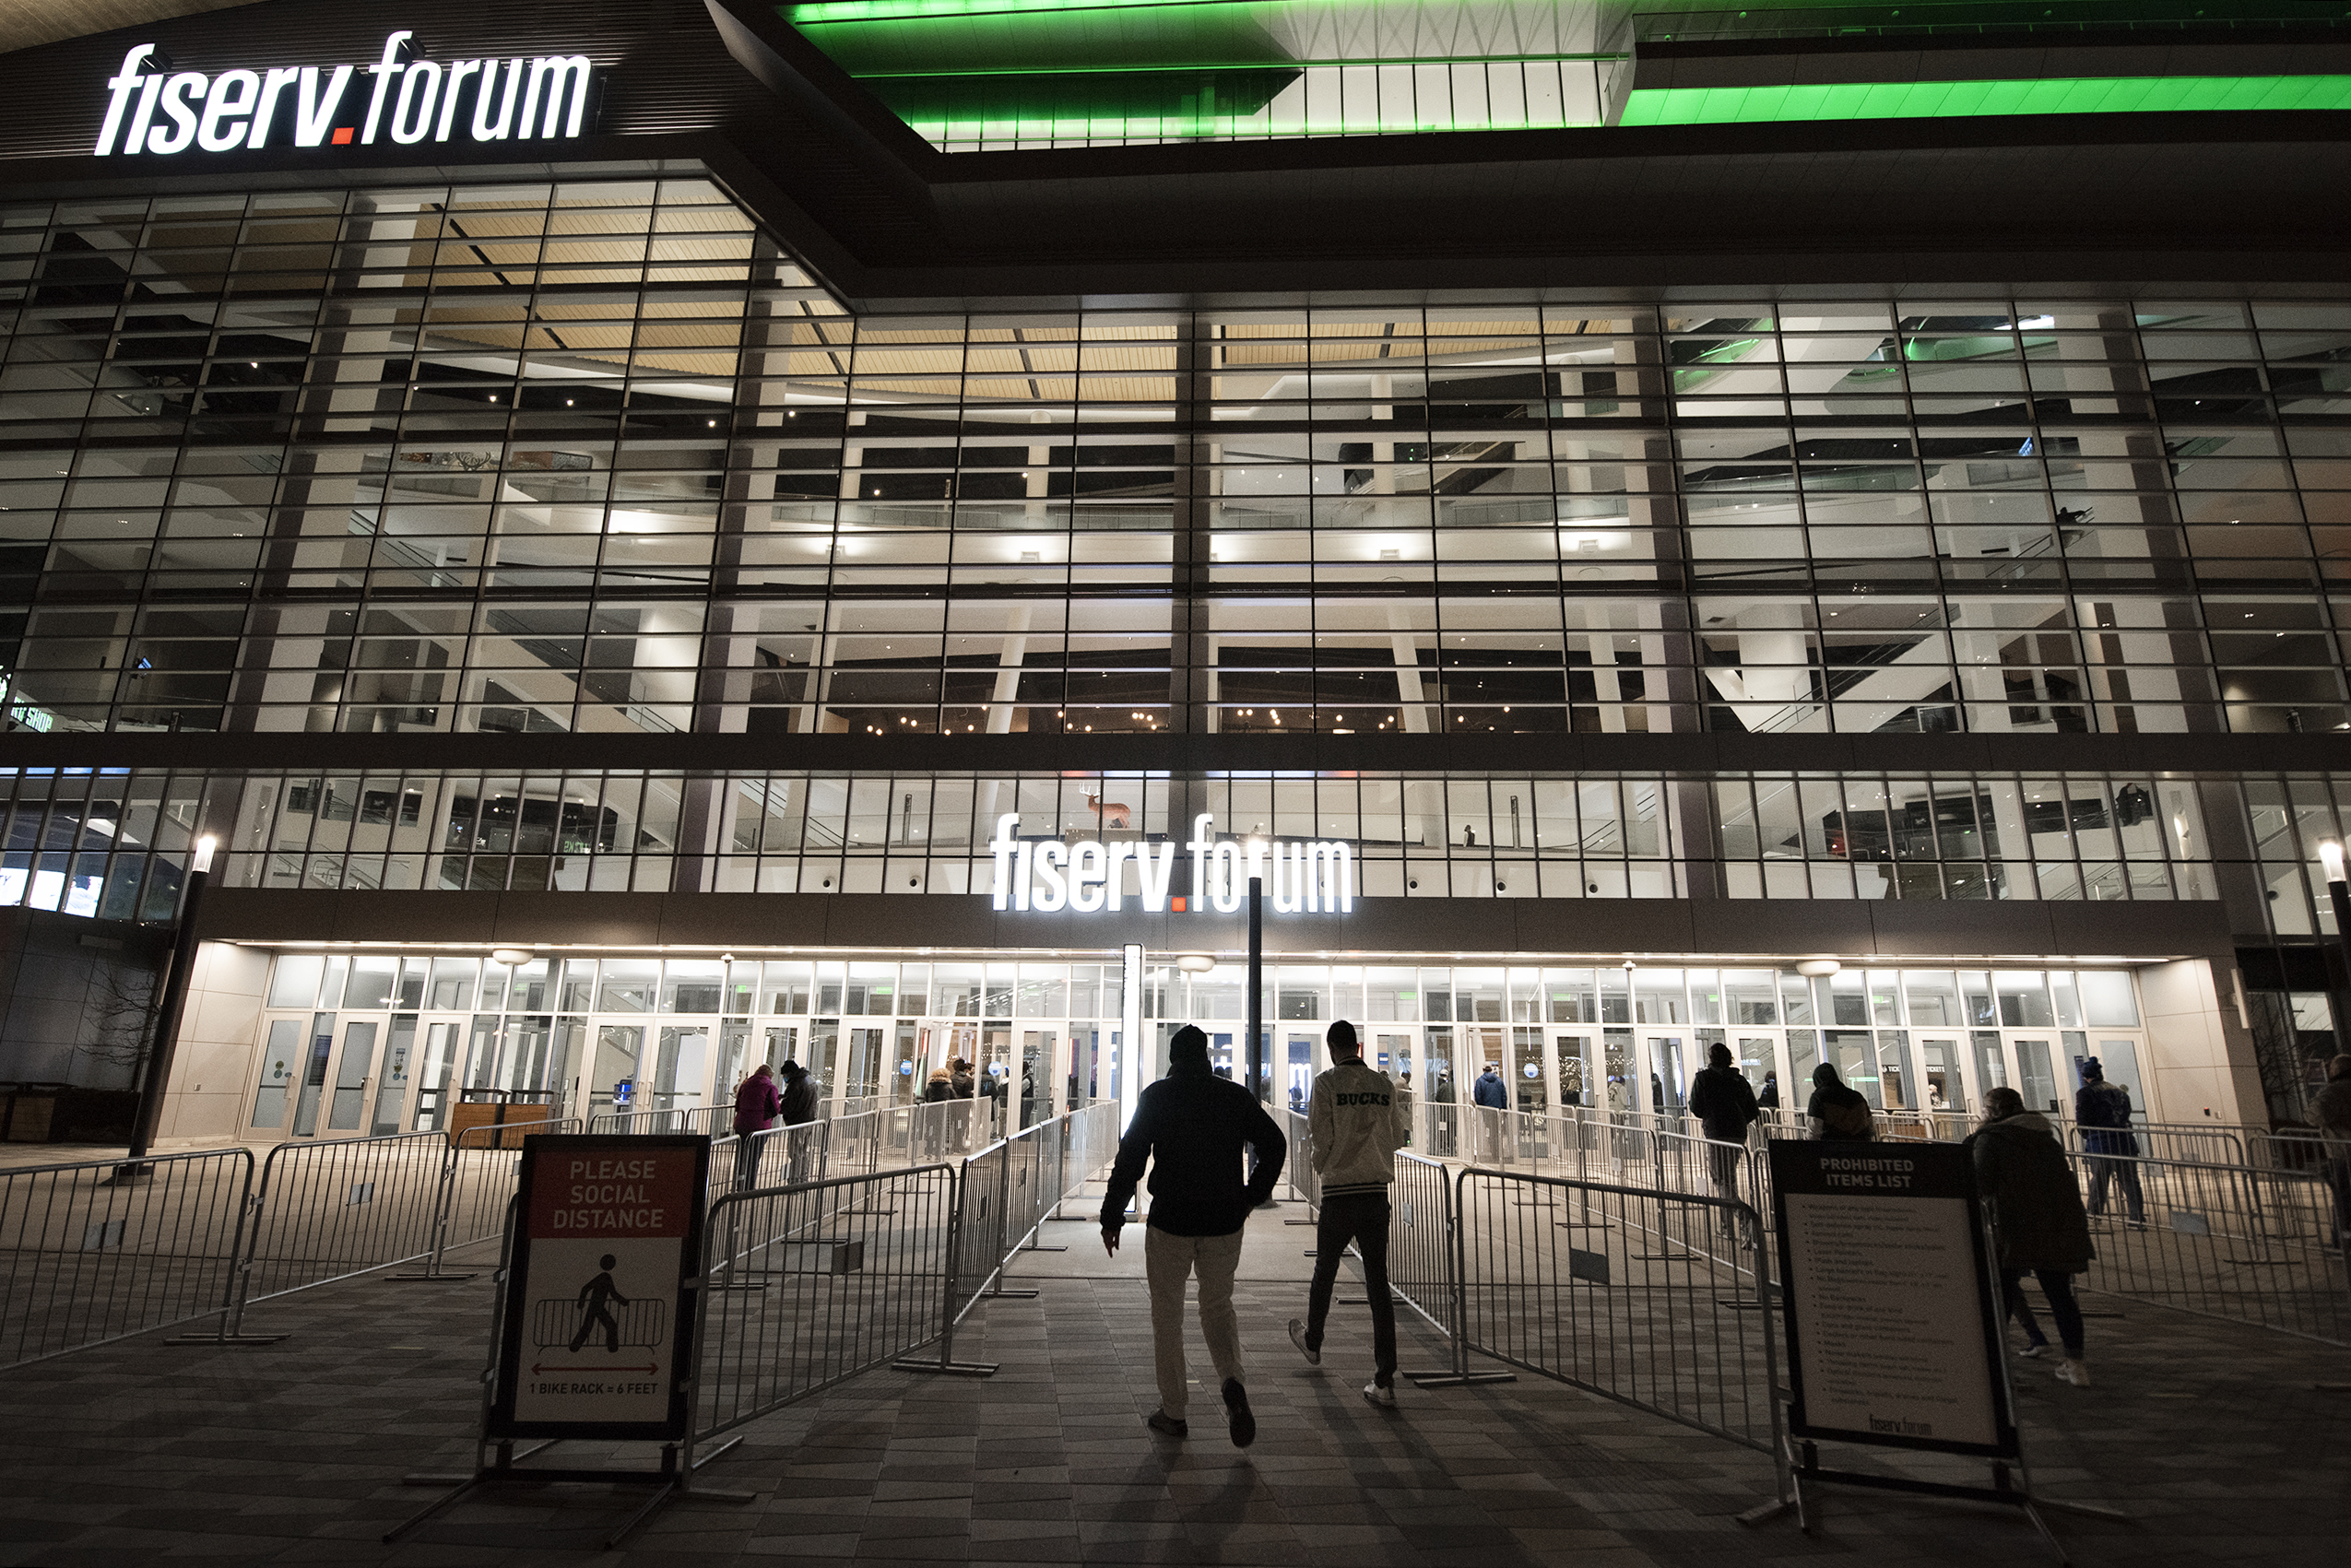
<point x="701" y="1121"/>
<point x="1614" y="1290"/>
<point x="89" y="1257"/>
<point x="1420" y="1240"/>
<point x="325" y="1212"/>
<point x="478" y="1179"/>
<point x="2222" y="1241"/>
<point x="805" y="1287"/>
<point x="777" y="1157"/>
<point x="1299" y="1166"/>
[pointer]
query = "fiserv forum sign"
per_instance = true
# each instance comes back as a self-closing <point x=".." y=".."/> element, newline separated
<point x="152" y="108"/>
<point x="1089" y="876"/>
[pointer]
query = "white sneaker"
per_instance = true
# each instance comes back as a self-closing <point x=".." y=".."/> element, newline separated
<point x="2032" y="1352"/>
<point x="1298" y="1337"/>
<point x="2073" y="1371"/>
<point x="1381" y="1395"/>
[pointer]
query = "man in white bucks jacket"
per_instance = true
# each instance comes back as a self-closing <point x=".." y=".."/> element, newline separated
<point x="1356" y="1124"/>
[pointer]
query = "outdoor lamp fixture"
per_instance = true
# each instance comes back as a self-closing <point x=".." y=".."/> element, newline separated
<point x="205" y="845"/>
<point x="2331" y="857"/>
<point x="1195" y="964"/>
<point x="1813" y="968"/>
<point x="510" y="956"/>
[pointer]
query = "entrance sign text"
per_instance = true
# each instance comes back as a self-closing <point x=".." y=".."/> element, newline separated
<point x="152" y="108"/>
<point x="1089" y="876"/>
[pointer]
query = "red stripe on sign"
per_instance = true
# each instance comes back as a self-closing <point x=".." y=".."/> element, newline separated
<point x="619" y="1192"/>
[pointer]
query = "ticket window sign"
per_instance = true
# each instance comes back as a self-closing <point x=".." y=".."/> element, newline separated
<point x="596" y="1336"/>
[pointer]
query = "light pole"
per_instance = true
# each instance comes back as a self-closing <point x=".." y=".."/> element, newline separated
<point x="166" y="1020"/>
<point x="2338" y="891"/>
<point x="1255" y="1056"/>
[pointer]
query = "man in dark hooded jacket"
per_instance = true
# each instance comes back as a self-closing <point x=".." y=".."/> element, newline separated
<point x="2102" y="1110"/>
<point x="1192" y="1127"/>
<point x="1725" y="1105"/>
<point x="2036" y="1221"/>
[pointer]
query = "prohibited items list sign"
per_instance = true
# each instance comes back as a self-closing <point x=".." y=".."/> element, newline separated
<point x="1893" y="1321"/>
<point x="595" y="1340"/>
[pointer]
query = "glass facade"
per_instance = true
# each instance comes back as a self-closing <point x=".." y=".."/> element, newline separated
<point x="588" y="1035"/>
<point x="600" y="458"/>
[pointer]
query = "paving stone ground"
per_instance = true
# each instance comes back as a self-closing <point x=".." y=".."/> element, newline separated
<point x="2217" y="1440"/>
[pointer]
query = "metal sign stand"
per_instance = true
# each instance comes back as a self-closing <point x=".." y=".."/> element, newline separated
<point x="1907" y="1171"/>
<point x="508" y="1413"/>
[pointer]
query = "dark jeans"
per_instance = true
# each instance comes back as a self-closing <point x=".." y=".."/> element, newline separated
<point x="1724" y="1162"/>
<point x="2058" y="1286"/>
<point x="748" y="1150"/>
<point x="2124" y="1173"/>
<point x="2338" y="1176"/>
<point x="1359" y="1217"/>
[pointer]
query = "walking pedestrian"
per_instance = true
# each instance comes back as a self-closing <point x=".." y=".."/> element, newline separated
<point x="2332" y="1108"/>
<point x="2102" y="1110"/>
<point x="1356" y="1120"/>
<point x="1489" y="1093"/>
<point x="799" y="1111"/>
<point x="2037" y="1223"/>
<point x="1768" y="1097"/>
<point x="1192" y="1127"/>
<point x="1725" y="1106"/>
<point x="1837" y="1112"/>
<point x="757" y="1104"/>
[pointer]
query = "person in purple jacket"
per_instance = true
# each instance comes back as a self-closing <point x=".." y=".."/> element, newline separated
<point x="757" y="1104"/>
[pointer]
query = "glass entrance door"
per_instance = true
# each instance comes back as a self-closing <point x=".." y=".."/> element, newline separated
<point x="392" y="1086"/>
<point x="1572" y="1054"/>
<point x="2036" y="1075"/>
<point x="1669" y="1078"/>
<point x="353" y="1067"/>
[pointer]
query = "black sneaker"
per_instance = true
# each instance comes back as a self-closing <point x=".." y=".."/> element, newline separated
<point x="1237" y="1411"/>
<point x="1160" y="1420"/>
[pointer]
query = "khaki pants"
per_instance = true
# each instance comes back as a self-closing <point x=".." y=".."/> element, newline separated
<point x="1168" y="1262"/>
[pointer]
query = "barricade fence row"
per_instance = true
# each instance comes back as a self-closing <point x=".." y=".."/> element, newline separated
<point x="808" y="1286"/>
<point x="1624" y="1291"/>
<point x="90" y="1257"/>
<point x="325" y="1212"/>
<point x="804" y="1287"/>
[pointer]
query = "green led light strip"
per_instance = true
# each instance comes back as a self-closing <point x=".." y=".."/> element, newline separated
<point x="1176" y="68"/>
<point x="823" y="11"/>
<point x="1920" y="100"/>
<point x="1140" y="127"/>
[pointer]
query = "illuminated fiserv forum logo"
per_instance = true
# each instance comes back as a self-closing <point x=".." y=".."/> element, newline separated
<point x="155" y="108"/>
<point x="1089" y="876"/>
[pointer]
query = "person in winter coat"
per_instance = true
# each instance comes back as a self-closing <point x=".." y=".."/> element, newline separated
<point x="2038" y="1222"/>
<point x="940" y="1086"/>
<point x="961" y="1078"/>
<point x="1356" y="1120"/>
<point x="1839" y="1113"/>
<point x="757" y="1103"/>
<point x="1190" y="1128"/>
<point x="1491" y="1093"/>
<point x="1768" y="1097"/>
<point x="2331" y="1110"/>
<point x="799" y="1108"/>
<point x="2102" y="1110"/>
<point x="1725" y="1106"/>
